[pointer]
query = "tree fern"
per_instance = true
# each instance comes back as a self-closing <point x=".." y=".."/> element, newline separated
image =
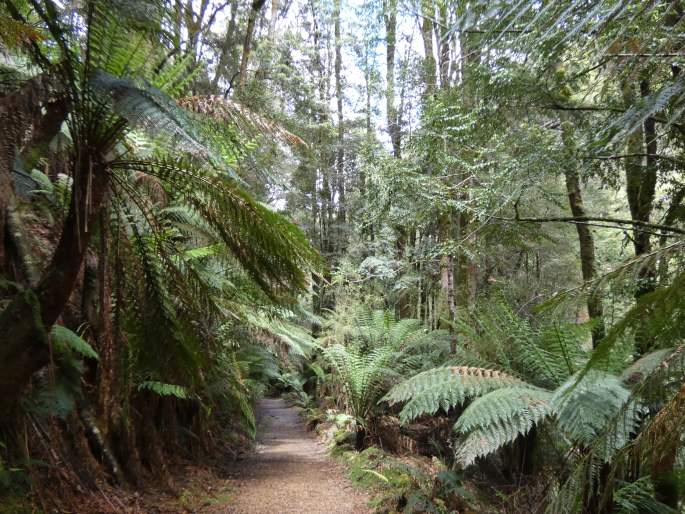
<point x="364" y="375"/>
<point x="446" y="387"/>
<point x="598" y="403"/>
<point x="498" y="418"/>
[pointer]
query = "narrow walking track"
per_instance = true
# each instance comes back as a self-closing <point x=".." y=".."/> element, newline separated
<point x="291" y="472"/>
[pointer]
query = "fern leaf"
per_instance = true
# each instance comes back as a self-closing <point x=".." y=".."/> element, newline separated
<point x="446" y="387"/>
<point x="503" y="405"/>
<point x="163" y="389"/>
<point x="63" y="338"/>
<point x="226" y="110"/>
<point x="598" y="404"/>
<point x="498" y="418"/>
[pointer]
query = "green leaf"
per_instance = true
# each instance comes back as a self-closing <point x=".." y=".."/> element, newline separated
<point x="64" y="340"/>
<point x="163" y="389"/>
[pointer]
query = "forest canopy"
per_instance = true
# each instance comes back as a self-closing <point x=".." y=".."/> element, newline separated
<point x="448" y="229"/>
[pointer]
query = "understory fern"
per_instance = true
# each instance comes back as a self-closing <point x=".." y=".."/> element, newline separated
<point x="446" y="387"/>
<point x="364" y="375"/>
<point x="499" y="418"/>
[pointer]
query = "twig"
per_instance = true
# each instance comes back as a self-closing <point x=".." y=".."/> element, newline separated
<point x="586" y="219"/>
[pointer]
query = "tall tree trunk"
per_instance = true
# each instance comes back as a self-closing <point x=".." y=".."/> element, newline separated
<point x="340" y="150"/>
<point x="448" y="297"/>
<point x="585" y="238"/>
<point x="27" y="320"/>
<point x="641" y="183"/>
<point x="465" y="267"/>
<point x="226" y="54"/>
<point x="272" y="19"/>
<point x="443" y="37"/>
<point x="427" y="14"/>
<point x="367" y="91"/>
<point x="247" y="44"/>
<point x="394" y="129"/>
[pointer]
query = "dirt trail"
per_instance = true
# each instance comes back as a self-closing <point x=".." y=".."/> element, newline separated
<point x="291" y="472"/>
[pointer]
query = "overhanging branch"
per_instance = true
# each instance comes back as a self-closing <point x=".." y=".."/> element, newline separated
<point x="597" y="219"/>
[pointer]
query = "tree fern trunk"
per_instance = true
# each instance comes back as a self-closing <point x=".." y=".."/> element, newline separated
<point x="360" y="440"/>
<point x="27" y="320"/>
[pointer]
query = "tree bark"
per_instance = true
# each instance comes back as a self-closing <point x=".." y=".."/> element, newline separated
<point x="443" y="37"/>
<point x="247" y="44"/>
<point x="641" y="183"/>
<point x="227" y="53"/>
<point x="17" y="112"/>
<point x="427" y="35"/>
<point x="27" y="320"/>
<point x="340" y="150"/>
<point x="448" y="301"/>
<point x="585" y="239"/>
<point x="394" y="129"/>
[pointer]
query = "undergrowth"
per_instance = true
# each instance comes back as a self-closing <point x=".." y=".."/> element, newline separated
<point x="406" y="486"/>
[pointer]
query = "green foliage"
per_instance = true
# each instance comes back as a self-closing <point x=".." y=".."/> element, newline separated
<point x="401" y="487"/>
<point x="365" y="375"/>
<point x="499" y="418"/>
<point x="638" y="497"/>
<point x="64" y="340"/>
<point x="373" y="353"/>
<point x="162" y="389"/>
<point x="442" y="388"/>
<point x="597" y="403"/>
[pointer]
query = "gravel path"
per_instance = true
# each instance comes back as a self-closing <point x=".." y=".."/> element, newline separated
<point x="291" y="472"/>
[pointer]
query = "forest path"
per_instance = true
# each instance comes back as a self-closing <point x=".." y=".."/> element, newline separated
<point x="291" y="472"/>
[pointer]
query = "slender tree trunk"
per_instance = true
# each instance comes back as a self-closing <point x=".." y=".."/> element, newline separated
<point x="585" y="238"/>
<point x="367" y="91"/>
<point x="247" y="44"/>
<point x="340" y="146"/>
<point x="226" y="54"/>
<point x="443" y="37"/>
<point x="394" y="129"/>
<point x="448" y="303"/>
<point x="465" y="266"/>
<point x="427" y="14"/>
<point x="272" y="19"/>
<point x="641" y="184"/>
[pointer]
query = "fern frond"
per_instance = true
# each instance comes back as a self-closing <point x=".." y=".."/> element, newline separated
<point x="638" y="498"/>
<point x="598" y="404"/>
<point x="150" y="110"/>
<point x="163" y="389"/>
<point x="270" y="248"/>
<point x="62" y="338"/>
<point x="224" y="110"/>
<point x="447" y="387"/>
<point x="364" y="375"/>
<point x="498" y="418"/>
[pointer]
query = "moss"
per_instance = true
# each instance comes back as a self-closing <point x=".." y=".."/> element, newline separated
<point x="195" y="497"/>
<point x="16" y="503"/>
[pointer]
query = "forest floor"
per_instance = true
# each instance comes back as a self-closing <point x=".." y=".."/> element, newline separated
<point x="290" y="472"/>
